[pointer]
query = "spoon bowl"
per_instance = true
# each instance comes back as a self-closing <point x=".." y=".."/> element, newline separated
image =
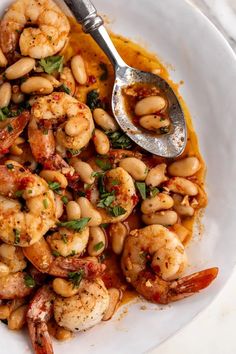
<point x="167" y="145"/>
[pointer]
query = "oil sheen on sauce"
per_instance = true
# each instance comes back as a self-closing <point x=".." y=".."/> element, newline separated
<point x="138" y="57"/>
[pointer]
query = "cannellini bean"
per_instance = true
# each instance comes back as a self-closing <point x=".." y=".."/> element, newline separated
<point x="78" y="69"/>
<point x="115" y="296"/>
<point x="67" y="79"/>
<point x="101" y="142"/>
<point x="52" y="79"/>
<point x="59" y="205"/>
<point x="167" y="217"/>
<point x="4" y="269"/>
<point x="3" y="59"/>
<point x="161" y="201"/>
<point x="153" y="122"/>
<point x="15" y="149"/>
<point x="156" y="175"/>
<point x="118" y="233"/>
<point x="104" y="120"/>
<point x="4" y="312"/>
<point x="180" y="208"/>
<point x="54" y="176"/>
<point x="97" y="241"/>
<point x="5" y="94"/>
<point x="74" y="127"/>
<point x="17" y="318"/>
<point x="20" y="68"/>
<point x="38" y="85"/>
<point x="135" y="167"/>
<point x="88" y="211"/>
<point x="17" y="97"/>
<point x="181" y="232"/>
<point x="185" y="167"/>
<point x="73" y="210"/>
<point x="149" y="105"/>
<point x="63" y="334"/>
<point x="84" y="170"/>
<point x="64" y="288"/>
<point x="182" y="185"/>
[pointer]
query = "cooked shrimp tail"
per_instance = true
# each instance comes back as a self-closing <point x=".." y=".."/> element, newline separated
<point x="191" y="284"/>
<point x="39" y="312"/>
<point x="13" y="286"/>
<point x="12" y="130"/>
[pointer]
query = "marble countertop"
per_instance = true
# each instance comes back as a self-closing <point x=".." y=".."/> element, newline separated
<point x="213" y="330"/>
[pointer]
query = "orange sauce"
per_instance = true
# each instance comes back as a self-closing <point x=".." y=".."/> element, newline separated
<point x="138" y="57"/>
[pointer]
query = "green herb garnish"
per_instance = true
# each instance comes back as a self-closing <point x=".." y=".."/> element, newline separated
<point x="64" y="199"/>
<point x="115" y="182"/>
<point x="56" y="253"/>
<point x="98" y="246"/>
<point x="141" y="186"/>
<point x="64" y="88"/>
<point x="9" y="128"/>
<point x="103" y="164"/>
<point x="153" y="192"/>
<point x="76" y="277"/>
<point x="54" y="186"/>
<point x="119" y="140"/>
<point x="10" y="166"/>
<point x="19" y="193"/>
<point x="117" y="210"/>
<point x="52" y="64"/>
<point x="2" y="116"/>
<point x="74" y="152"/>
<point x="29" y="281"/>
<point x="45" y="203"/>
<point x="16" y="235"/>
<point x="104" y="75"/>
<point x="77" y="225"/>
<point x="93" y="100"/>
<point x="106" y="200"/>
<point x="96" y="174"/>
<point x="64" y="238"/>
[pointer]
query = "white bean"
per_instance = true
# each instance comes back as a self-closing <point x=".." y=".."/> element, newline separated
<point x="104" y="120"/>
<point x="101" y="142"/>
<point x="149" y="105"/>
<point x="115" y="296"/>
<point x="73" y="210"/>
<point x="167" y="217"/>
<point x="161" y="201"/>
<point x="3" y="59"/>
<point x="181" y="231"/>
<point x="135" y="167"/>
<point x="88" y="211"/>
<point x="97" y="241"/>
<point x="156" y="175"/>
<point x="182" y="185"/>
<point x="54" y="176"/>
<point x="185" y="167"/>
<point x="67" y="78"/>
<point x="52" y="79"/>
<point x="5" y="94"/>
<point x="20" y="68"/>
<point x="180" y="208"/>
<point x="38" y="85"/>
<point x="59" y="205"/>
<point x="153" y="122"/>
<point x="84" y="170"/>
<point x="78" y="69"/>
<point x="17" y="318"/>
<point x="118" y="233"/>
<point x="4" y="312"/>
<point x="4" y="269"/>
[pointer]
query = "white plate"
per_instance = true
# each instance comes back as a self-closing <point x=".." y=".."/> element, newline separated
<point x="183" y="37"/>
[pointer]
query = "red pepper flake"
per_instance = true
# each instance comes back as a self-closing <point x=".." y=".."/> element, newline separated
<point x="25" y="181"/>
<point x="88" y="194"/>
<point x="135" y="199"/>
<point x="56" y="97"/>
<point x="92" y="80"/>
<point x="4" y="151"/>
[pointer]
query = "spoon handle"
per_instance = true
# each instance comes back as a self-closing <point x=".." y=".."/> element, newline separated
<point x="86" y="14"/>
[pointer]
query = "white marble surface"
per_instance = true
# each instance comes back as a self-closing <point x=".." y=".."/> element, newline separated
<point x="213" y="331"/>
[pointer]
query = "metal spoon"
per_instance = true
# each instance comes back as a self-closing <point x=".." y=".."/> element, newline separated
<point x="168" y="145"/>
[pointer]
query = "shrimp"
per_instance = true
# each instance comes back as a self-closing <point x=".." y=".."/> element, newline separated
<point x="40" y="255"/>
<point x="12" y="129"/>
<point x="39" y="313"/>
<point x="119" y="182"/>
<point x="13" y="257"/>
<point x="74" y="133"/>
<point x="152" y="260"/>
<point x="46" y="32"/>
<point x="13" y="286"/>
<point x="19" y="227"/>
<point x="83" y="310"/>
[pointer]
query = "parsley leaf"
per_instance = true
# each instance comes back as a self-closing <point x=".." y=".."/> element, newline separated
<point x="104" y="75"/>
<point x="64" y="199"/>
<point x="106" y="200"/>
<point x="93" y="100"/>
<point x="76" y="277"/>
<point x="98" y="246"/>
<point x="154" y="191"/>
<point x="29" y="281"/>
<point x="141" y="186"/>
<point x="119" y="140"/>
<point x="77" y="225"/>
<point x="19" y="193"/>
<point x="64" y="88"/>
<point x="56" y="253"/>
<point x="74" y="152"/>
<point x="52" y="64"/>
<point x="2" y="116"/>
<point x="16" y="235"/>
<point x="117" y="210"/>
<point x="54" y="185"/>
<point x="103" y="164"/>
<point x="45" y="203"/>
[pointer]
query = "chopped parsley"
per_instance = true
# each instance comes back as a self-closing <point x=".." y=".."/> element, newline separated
<point x="117" y="210"/>
<point x="115" y="182"/>
<point x="106" y="200"/>
<point x="77" y="225"/>
<point x="9" y="128"/>
<point x="76" y="277"/>
<point x="141" y="186"/>
<point x="10" y="166"/>
<point x="29" y="281"/>
<point x="45" y="203"/>
<point x="73" y="253"/>
<point x="104" y="225"/>
<point x="2" y="116"/>
<point x="93" y="100"/>
<point x="56" y="253"/>
<point x="154" y="191"/>
<point x="16" y="235"/>
<point x="103" y="164"/>
<point x="19" y="193"/>
<point x="74" y="152"/>
<point x="64" y="238"/>
<point x="96" y="174"/>
<point x="64" y="199"/>
<point x="64" y="88"/>
<point x="119" y="140"/>
<point x="54" y="186"/>
<point x="98" y="246"/>
<point x="52" y="64"/>
<point x="104" y="75"/>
